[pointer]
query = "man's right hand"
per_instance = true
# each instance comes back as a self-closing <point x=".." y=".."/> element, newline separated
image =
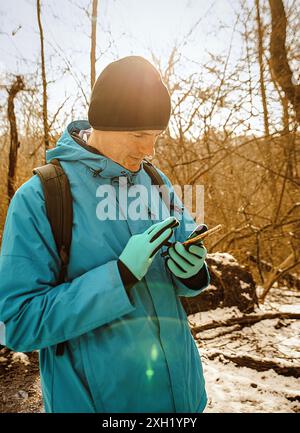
<point x="140" y="250"/>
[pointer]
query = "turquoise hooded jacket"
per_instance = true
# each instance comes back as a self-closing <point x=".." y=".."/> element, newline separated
<point x="125" y="352"/>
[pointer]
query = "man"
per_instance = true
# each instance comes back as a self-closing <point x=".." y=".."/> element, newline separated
<point x="128" y="347"/>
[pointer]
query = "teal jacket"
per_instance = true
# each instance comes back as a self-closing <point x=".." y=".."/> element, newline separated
<point x="126" y="351"/>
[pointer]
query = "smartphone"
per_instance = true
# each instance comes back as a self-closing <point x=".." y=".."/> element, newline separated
<point x="201" y="232"/>
<point x="201" y="228"/>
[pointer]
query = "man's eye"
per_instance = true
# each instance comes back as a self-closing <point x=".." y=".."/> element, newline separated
<point x="136" y="135"/>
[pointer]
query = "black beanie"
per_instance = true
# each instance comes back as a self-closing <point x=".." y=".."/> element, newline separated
<point x="129" y="95"/>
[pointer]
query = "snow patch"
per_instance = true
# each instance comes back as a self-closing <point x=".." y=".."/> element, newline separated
<point x="247" y="296"/>
<point x="244" y="285"/>
<point x="223" y="258"/>
<point x="20" y="357"/>
<point x="232" y="389"/>
<point x="214" y="315"/>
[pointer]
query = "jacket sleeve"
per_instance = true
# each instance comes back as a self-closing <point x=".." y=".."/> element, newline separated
<point x="34" y="311"/>
<point x="194" y="285"/>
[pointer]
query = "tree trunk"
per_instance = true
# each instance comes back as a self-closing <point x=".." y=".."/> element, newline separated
<point x="278" y="61"/>
<point x="17" y="86"/>
<point x="261" y="69"/>
<point x="44" y="80"/>
<point x="93" y="42"/>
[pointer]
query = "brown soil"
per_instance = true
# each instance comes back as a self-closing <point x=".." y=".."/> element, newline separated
<point x="19" y="383"/>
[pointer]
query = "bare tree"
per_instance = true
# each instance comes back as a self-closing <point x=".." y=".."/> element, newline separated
<point x="279" y="61"/>
<point x="261" y="68"/>
<point x="93" y="42"/>
<point x="16" y="87"/>
<point x="44" y="80"/>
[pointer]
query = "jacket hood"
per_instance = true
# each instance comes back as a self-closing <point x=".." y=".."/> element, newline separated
<point x="67" y="149"/>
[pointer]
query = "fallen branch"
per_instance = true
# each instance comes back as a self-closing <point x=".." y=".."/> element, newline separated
<point x="256" y="363"/>
<point x="246" y="320"/>
<point x="291" y="279"/>
<point x="289" y="263"/>
<point x="216" y="334"/>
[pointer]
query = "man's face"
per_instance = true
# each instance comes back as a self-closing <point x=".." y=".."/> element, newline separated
<point x="132" y="146"/>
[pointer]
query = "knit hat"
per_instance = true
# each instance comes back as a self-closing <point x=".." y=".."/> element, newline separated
<point x="129" y="95"/>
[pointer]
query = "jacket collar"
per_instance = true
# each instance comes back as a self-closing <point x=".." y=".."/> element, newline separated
<point x="69" y="148"/>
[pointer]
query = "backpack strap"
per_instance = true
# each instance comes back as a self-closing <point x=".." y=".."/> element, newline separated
<point x="59" y="208"/>
<point x="158" y="181"/>
<point x="153" y="173"/>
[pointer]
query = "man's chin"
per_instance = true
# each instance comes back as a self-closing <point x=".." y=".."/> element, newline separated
<point x="133" y="167"/>
<point x="136" y="167"/>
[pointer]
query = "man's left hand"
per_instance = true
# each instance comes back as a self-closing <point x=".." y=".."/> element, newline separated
<point x="185" y="263"/>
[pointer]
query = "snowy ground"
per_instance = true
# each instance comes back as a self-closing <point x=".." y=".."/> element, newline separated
<point x="240" y="389"/>
<point x="232" y="388"/>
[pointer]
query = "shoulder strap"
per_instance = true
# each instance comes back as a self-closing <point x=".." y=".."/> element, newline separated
<point x="158" y="181"/>
<point x="59" y="209"/>
<point x="153" y="173"/>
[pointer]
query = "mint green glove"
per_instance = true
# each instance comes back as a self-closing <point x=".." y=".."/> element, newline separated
<point x="183" y="263"/>
<point x="140" y="250"/>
